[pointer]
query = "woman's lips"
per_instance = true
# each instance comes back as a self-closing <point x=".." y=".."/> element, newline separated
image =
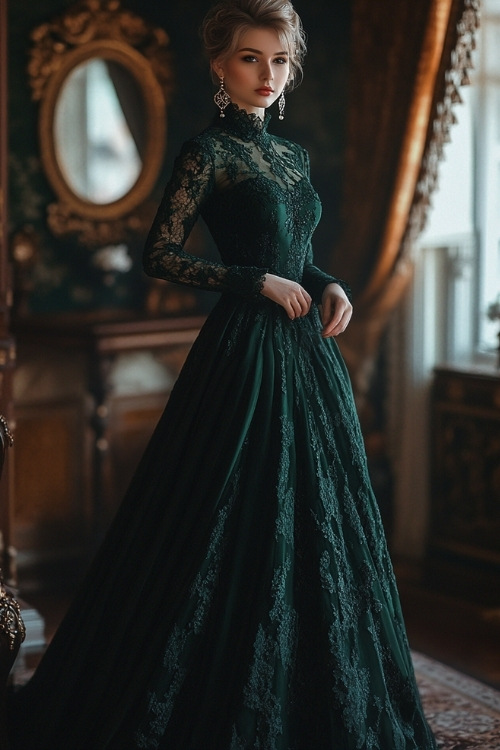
<point x="264" y="92"/>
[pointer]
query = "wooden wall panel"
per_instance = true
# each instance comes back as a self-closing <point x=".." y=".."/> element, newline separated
<point x="7" y="345"/>
<point x="51" y="511"/>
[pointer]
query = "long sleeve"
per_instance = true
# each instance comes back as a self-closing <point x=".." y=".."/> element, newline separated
<point x="191" y="184"/>
<point x="314" y="280"/>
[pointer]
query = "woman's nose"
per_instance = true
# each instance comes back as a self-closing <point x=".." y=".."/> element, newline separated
<point x="267" y="73"/>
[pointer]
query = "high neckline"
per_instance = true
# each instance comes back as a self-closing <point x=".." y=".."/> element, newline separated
<point x="245" y="125"/>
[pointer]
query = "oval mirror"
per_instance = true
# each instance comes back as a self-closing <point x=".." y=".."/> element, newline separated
<point x="103" y="78"/>
<point x="99" y="130"/>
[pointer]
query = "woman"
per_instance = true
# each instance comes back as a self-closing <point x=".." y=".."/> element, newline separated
<point x="244" y="596"/>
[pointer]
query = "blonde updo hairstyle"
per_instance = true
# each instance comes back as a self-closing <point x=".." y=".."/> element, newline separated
<point x="228" y="20"/>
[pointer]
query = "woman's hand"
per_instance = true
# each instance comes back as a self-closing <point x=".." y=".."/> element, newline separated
<point x="336" y="310"/>
<point x="291" y="296"/>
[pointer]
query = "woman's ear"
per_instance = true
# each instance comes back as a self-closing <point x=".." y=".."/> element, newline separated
<point x="217" y="69"/>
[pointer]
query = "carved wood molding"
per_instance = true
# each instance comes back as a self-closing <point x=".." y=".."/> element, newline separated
<point x="90" y="21"/>
<point x="62" y="220"/>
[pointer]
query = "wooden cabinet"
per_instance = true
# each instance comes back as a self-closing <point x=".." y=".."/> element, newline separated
<point x="86" y="407"/>
<point x="464" y="541"/>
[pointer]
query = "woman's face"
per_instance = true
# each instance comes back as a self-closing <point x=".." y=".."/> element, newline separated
<point x="256" y="74"/>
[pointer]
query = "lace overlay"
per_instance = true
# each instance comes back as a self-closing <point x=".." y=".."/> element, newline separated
<point x="246" y="576"/>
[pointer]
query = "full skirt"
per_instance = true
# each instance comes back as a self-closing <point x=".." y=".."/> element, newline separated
<point x="243" y="596"/>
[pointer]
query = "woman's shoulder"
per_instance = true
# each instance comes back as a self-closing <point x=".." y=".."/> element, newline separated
<point x="205" y="141"/>
<point x="200" y="146"/>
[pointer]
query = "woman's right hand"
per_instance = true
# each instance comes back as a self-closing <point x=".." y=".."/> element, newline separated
<point x="292" y="297"/>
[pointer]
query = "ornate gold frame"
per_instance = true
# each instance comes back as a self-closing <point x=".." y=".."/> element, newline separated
<point x="90" y="29"/>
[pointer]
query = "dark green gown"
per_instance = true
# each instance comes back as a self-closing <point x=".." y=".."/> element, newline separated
<point x="244" y="596"/>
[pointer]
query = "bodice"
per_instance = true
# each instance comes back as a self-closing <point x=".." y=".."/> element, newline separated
<point x="253" y="191"/>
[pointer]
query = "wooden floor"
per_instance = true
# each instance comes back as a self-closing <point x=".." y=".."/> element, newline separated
<point x="456" y="632"/>
<point x="463" y="635"/>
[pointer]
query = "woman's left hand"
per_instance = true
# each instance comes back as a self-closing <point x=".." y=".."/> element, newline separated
<point x="336" y="310"/>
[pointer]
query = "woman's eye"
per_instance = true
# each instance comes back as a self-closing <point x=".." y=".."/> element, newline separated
<point x="249" y="58"/>
<point x="281" y="60"/>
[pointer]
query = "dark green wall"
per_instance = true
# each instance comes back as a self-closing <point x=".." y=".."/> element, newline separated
<point x="63" y="277"/>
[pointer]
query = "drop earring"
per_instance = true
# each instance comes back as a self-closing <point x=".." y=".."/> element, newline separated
<point x="222" y="98"/>
<point x="281" y="106"/>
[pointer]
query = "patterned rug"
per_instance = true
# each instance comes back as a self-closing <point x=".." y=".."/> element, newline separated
<point x="463" y="713"/>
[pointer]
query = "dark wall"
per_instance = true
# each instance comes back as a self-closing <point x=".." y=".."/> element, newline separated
<point x="63" y="277"/>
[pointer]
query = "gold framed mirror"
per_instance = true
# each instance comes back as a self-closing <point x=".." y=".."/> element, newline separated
<point x="103" y="78"/>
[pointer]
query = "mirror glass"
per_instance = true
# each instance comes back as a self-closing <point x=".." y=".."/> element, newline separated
<point x="100" y="130"/>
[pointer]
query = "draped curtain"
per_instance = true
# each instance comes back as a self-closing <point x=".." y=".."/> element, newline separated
<point x="408" y="60"/>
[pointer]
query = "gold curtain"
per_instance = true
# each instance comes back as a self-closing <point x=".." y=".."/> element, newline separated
<point x="408" y="60"/>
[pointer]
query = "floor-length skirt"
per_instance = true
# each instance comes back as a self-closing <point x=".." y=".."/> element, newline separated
<point x="243" y="597"/>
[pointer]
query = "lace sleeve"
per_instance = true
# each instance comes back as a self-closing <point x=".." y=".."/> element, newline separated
<point x="314" y="279"/>
<point x="190" y="186"/>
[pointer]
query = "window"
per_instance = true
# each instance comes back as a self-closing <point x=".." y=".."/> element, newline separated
<point x="487" y="173"/>
<point x="464" y="224"/>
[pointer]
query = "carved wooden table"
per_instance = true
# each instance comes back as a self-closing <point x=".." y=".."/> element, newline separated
<point x="102" y="338"/>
